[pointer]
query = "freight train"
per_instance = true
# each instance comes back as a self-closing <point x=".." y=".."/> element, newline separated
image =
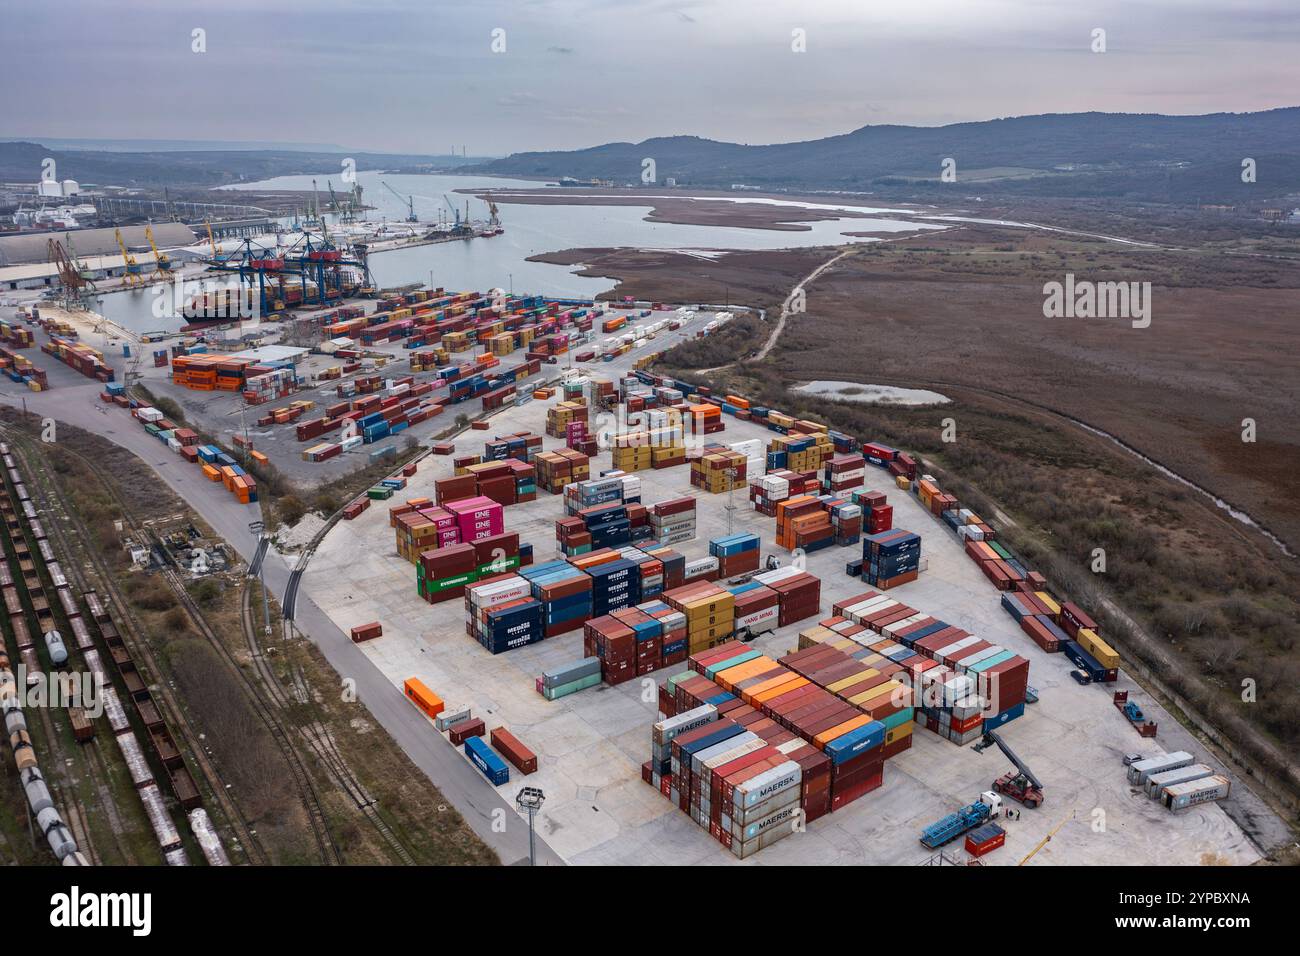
<point x="17" y="500"/>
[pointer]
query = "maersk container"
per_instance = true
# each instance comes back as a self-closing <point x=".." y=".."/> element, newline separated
<point x="452" y="715"/>
<point x="782" y="818"/>
<point x="1182" y="796"/>
<point x="765" y="786"/>
<point x="487" y="761"/>
<point x="1157" y="782"/>
<point x="1139" y="771"/>
<point x="666" y="730"/>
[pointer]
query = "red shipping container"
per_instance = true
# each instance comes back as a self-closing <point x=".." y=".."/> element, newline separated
<point x="508" y="745"/>
<point x="462" y="731"/>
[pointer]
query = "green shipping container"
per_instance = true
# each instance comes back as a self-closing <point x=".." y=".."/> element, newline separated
<point x="563" y="690"/>
<point x="497" y="567"/>
<point x="442" y="584"/>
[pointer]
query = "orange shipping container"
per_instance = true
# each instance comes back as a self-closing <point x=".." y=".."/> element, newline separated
<point x="422" y="697"/>
<point x="839" y="730"/>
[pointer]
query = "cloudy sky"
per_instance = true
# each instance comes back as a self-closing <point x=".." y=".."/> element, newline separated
<point x="422" y="76"/>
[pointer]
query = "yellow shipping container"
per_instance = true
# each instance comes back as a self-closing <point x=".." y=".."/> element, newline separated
<point x="848" y="682"/>
<point x="901" y="732"/>
<point x="1094" y="645"/>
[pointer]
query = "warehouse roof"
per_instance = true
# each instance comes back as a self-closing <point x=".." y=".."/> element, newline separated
<point x="271" y="353"/>
<point x="33" y="247"/>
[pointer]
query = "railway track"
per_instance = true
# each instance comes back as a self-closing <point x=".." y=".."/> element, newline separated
<point x="268" y="693"/>
<point x="133" y="631"/>
<point x="314" y="732"/>
<point x="331" y="855"/>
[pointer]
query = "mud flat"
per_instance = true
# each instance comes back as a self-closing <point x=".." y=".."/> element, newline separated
<point x="871" y="394"/>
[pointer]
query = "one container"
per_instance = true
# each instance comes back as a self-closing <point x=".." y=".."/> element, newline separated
<point x="1182" y="796"/>
<point x="524" y="760"/>
<point x="483" y="757"/>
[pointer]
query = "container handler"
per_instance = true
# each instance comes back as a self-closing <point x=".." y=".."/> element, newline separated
<point x="1021" y="786"/>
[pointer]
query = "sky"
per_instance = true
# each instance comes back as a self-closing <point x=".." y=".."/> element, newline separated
<point x="423" y="75"/>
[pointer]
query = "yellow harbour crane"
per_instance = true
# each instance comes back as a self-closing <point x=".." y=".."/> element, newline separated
<point x="164" y="264"/>
<point x="132" y="276"/>
<point x="212" y="242"/>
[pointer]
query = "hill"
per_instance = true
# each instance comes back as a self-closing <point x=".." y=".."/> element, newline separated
<point x="1133" y="156"/>
<point x="21" y="162"/>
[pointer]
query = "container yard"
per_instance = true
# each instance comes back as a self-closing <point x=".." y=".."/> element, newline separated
<point x="382" y="373"/>
<point x="584" y="614"/>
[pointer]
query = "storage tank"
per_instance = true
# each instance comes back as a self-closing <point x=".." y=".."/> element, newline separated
<point x="71" y="187"/>
<point x="58" y="650"/>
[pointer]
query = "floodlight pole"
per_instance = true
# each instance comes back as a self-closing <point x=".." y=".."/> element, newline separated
<point x="531" y="800"/>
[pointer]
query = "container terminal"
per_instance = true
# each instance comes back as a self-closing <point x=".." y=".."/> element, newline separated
<point x="641" y="596"/>
<point x="545" y="416"/>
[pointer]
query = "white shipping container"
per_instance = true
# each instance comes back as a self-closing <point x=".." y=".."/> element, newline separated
<point x="1139" y="771"/>
<point x="1157" y="782"/>
<point x="451" y="715"/>
<point x="1182" y="796"/>
<point x="759" y="622"/>
<point x="666" y="730"/>
<point x="700" y="566"/>
<point x="766" y="785"/>
<point x="941" y="655"/>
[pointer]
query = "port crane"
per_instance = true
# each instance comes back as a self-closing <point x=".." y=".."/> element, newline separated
<point x="346" y="208"/>
<point x="410" y="203"/>
<point x="161" y="259"/>
<point x="75" y="280"/>
<point x="212" y="242"/>
<point x="461" y="228"/>
<point x="1021" y="786"/>
<point x="132" y="276"/>
<point x="494" y="220"/>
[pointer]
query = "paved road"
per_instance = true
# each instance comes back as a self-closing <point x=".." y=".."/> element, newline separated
<point x="449" y="770"/>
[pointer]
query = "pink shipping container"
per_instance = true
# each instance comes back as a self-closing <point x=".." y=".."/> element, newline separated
<point x="477" y="517"/>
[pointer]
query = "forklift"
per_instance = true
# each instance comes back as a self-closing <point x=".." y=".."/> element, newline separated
<point x="1021" y="785"/>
